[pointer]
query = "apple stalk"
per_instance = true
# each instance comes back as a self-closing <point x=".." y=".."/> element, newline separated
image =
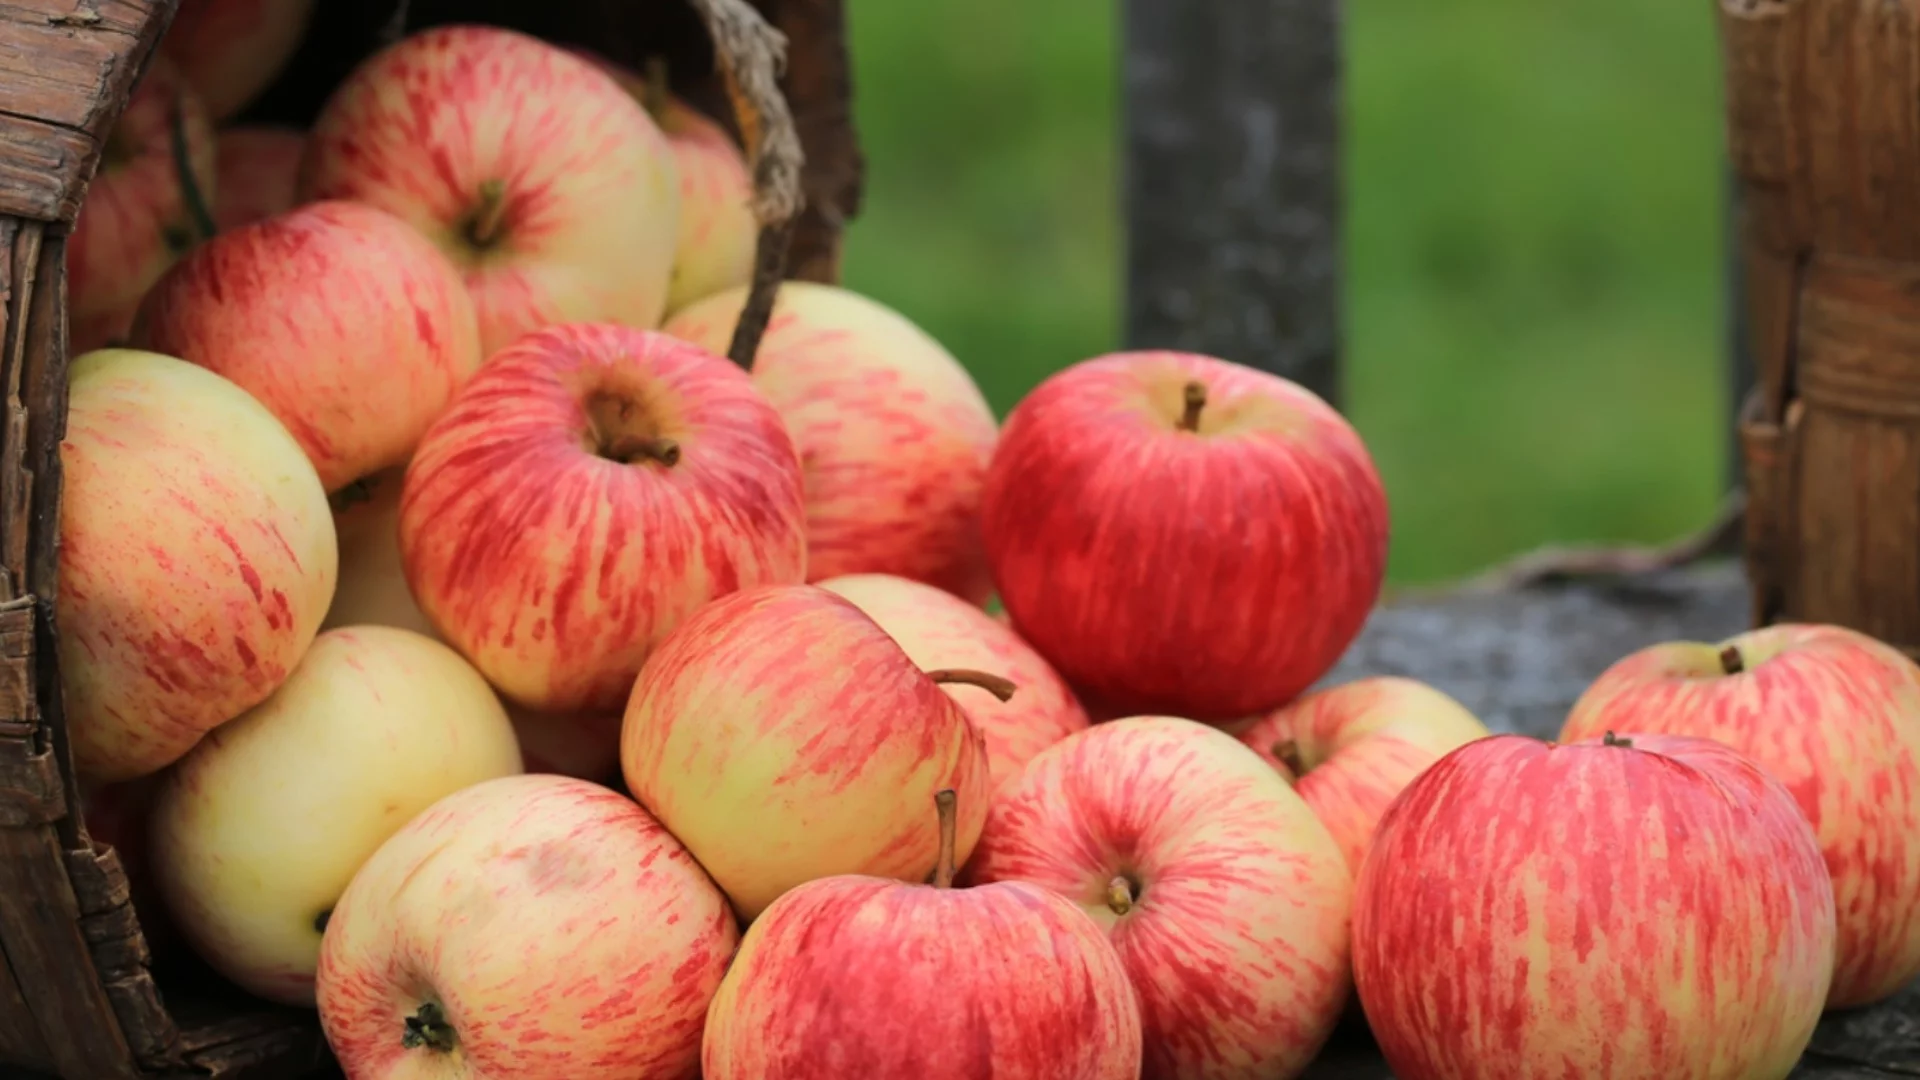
<point x="998" y="686"/>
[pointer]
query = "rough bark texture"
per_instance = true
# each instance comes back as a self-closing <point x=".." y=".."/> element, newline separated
<point x="1823" y="108"/>
<point x="1233" y="182"/>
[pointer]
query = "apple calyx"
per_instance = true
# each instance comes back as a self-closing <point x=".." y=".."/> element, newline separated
<point x="428" y="1027"/>
<point x="1287" y="752"/>
<point x="945" y="803"/>
<point x="1731" y="662"/>
<point x="1610" y="739"/>
<point x="482" y="230"/>
<point x="321" y="920"/>
<point x="1120" y="894"/>
<point x="998" y="686"/>
<point x="1194" y="398"/>
<point x="618" y="435"/>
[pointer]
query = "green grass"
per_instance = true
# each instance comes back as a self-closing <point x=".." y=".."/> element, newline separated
<point x="1532" y="302"/>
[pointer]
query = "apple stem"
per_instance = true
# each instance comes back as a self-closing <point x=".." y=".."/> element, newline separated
<point x="1120" y="895"/>
<point x="1610" y="739"/>
<point x="428" y="1027"/>
<point x="484" y="227"/>
<point x="1195" y="398"/>
<point x="1288" y="753"/>
<point x="630" y="448"/>
<point x="996" y="685"/>
<point x="1731" y="661"/>
<point x="190" y="192"/>
<point x="659" y="92"/>
<point x="944" y="803"/>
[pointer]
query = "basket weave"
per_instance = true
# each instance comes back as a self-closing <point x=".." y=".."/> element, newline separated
<point x="1823" y="111"/>
<point x="77" y="995"/>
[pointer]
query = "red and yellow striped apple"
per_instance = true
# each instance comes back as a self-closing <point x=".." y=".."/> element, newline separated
<point x="939" y="630"/>
<point x="526" y="928"/>
<point x="1180" y="534"/>
<point x="1006" y="981"/>
<point x="136" y="219"/>
<point x="1225" y="897"/>
<point x="588" y="490"/>
<point x="1640" y="908"/>
<point x="372" y="727"/>
<point x="548" y="186"/>
<point x="196" y="558"/>
<point x="231" y="50"/>
<point x="347" y="324"/>
<point x="257" y="171"/>
<point x="1350" y="749"/>
<point x="783" y="736"/>
<point x="893" y="434"/>
<point x="1835" y="715"/>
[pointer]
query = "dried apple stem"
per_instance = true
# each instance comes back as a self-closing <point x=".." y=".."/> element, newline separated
<point x="1610" y="739"/>
<point x="944" y="803"/>
<point x="1195" y="397"/>
<point x="1120" y="895"/>
<point x="1731" y="661"/>
<point x="484" y="229"/>
<point x="190" y="193"/>
<point x="998" y="686"/>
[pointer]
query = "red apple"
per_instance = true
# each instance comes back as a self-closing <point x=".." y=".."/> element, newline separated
<point x="939" y="630"/>
<point x="1225" y="897"/>
<point x="589" y="489"/>
<point x="525" y="928"/>
<point x="544" y="181"/>
<point x="338" y="317"/>
<point x="137" y="219"/>
<point x="1181" y="534"/>
<point x="1645" y="908"/>
<point x="893" y="433"/>
<point x="782" y="736"/>
<point x="1835" y="715"/>
<point x="856" y="976"/>
<point x="1349" y="750"/>
<point x="256" y="170"/>
<point x="231" y="50"/>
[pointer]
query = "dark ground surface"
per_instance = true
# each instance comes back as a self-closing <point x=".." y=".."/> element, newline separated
<point x="1518" y="660"/>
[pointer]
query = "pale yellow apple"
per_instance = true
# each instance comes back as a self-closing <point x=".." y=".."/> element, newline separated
<point x="258" y="831"/>
<point x="197" y="556"/>
<point x="373" y="584"/>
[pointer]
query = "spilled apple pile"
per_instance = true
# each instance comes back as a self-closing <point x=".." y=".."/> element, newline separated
<point x="455" y="642"/>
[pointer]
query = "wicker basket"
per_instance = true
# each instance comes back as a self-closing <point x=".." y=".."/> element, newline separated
<point x="1825" y="136"/>
<point x="79" y="994"/>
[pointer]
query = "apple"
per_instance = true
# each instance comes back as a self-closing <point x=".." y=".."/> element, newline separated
<point x="1835" y="716"/>
<point x="1637" y="908"/>
<point x="1181" y="534"/>
<point x="231" y="50"/>
<point x="196" y="559"/>
<point x="545" y="182"/>
<point x="586" y="745"/>
<point x="372" y="727"/>
<point x="526" y="928"/>
<point x="718" y="232"/>
<point x="340" y="318"/>
<point x="256" y="168"/>
<point x="587" y="490"/>
<point x="1350" y="749"/>
<point x="783" y="736"/>
<point x="137" y="218"/>
<point x="893" y="434"/>
<point x="1225" y="897"/>
<point x="939" y="630"/>
<point x="865" y="976"/>
<point x="373" y="588"/>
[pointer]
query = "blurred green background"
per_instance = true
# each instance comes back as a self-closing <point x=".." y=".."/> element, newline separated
<point x="1533" y="279"/>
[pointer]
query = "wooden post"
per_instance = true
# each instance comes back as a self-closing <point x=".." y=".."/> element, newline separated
<point x="1741" y="378"/>
<point x="1232" y="193"/>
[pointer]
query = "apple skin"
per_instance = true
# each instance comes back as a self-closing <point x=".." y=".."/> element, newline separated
<point x="231" y="50"/>
<point x="555" y="926"/>
<point x="257" y="168"/>
<point x="1359" y="744"/>
<point x="135" y="220"/>
<point x="557" y="570"/>
<point x="1233" y="923"/>
<point x="780" y="734"/>
<point x="893" y="434"/>
<point x="865" y="977"/>
<point x="339" y="317"/>
<point x="589" y="203"/>
<point x="197" y="556"/>
<point x="939" y="630"/>
<point x="373" y="588"/>
<point x="1614" y="912"/>
<point x="374" y="726"/>
<point x="1835" y="715"/>
<point x="1155" y="567"/>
